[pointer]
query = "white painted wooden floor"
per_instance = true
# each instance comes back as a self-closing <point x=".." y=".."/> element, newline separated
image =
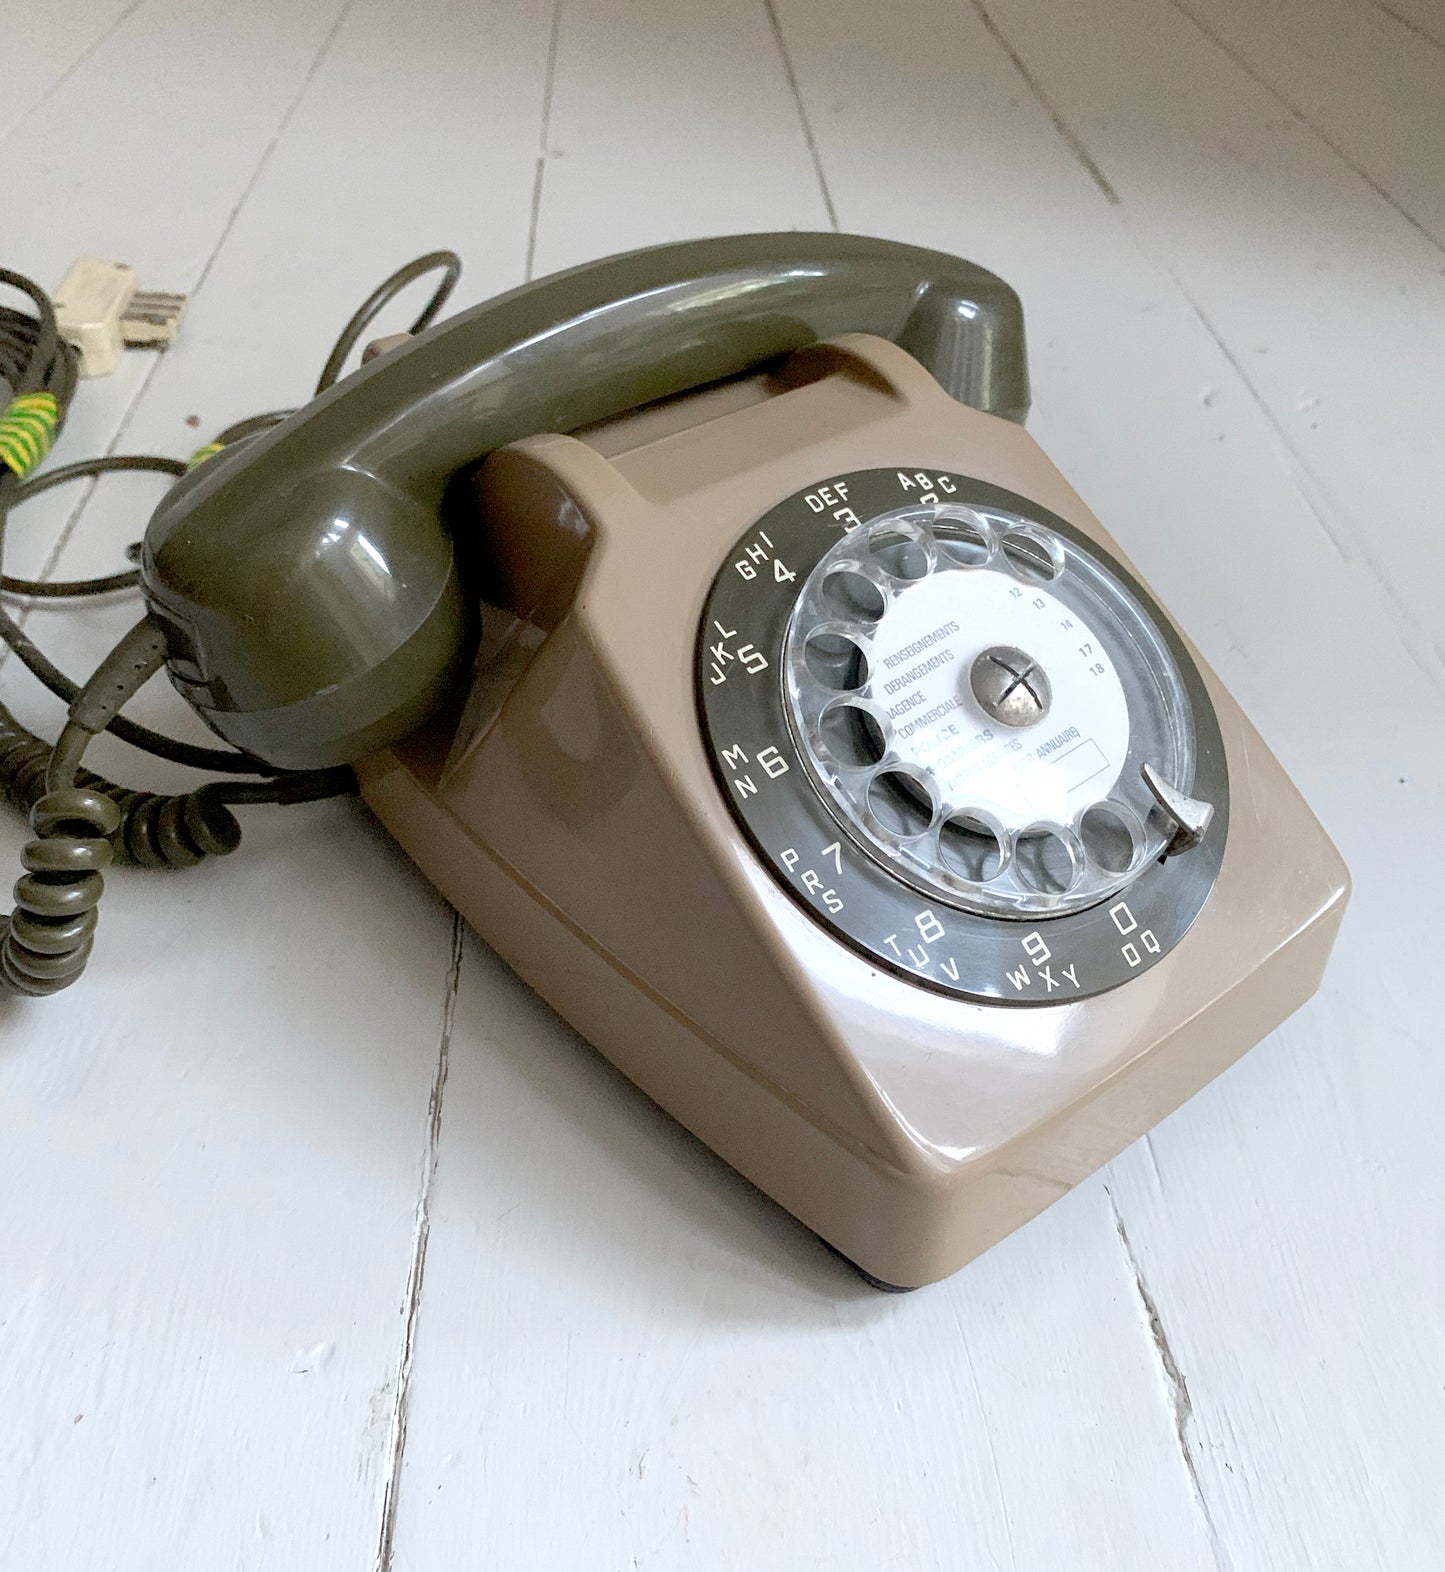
<point x="323" y="1245"/>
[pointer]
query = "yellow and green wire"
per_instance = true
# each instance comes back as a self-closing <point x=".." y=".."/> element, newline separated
<point x="27" y="431"/>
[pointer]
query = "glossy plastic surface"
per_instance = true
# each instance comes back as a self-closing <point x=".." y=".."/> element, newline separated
<point x="312" y="596"/>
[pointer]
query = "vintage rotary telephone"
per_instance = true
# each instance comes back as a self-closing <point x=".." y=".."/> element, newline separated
<point x="706" y="626"/>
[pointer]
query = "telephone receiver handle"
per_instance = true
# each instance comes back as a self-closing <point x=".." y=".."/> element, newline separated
<point x="310" y="594"/>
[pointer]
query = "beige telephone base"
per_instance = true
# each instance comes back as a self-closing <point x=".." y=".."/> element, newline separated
<point x="575" y="813"/>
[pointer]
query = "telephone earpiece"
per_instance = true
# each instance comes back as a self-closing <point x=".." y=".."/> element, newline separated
<point x="311" y="597"/>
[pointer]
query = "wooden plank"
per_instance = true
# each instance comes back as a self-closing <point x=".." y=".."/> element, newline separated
<point x="629" y="1358"/>
<point x="211" y="1150"/>
<point x="1285" y="1253"/>
<point x="606" y="1307"/>
<point x="1288" y="1223"/>
<point x="1336" y="67"/>
<point x="1273" y="236"/>
<point x="1422" y="19"/>
<point x="43" y="44"/>
<point x="644" y="95"/>
<point x="157" y="190"/>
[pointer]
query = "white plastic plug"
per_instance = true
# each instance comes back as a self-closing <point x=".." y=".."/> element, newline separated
<point x="100" y="309"/>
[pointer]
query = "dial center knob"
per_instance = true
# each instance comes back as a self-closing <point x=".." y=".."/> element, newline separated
<point x="1010" y="686"/>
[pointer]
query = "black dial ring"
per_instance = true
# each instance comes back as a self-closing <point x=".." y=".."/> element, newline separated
<point x="758" y="768"/>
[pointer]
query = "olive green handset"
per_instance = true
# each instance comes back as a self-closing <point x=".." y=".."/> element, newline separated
<point x="704" y="624"/>
<point x="312" y="599"/>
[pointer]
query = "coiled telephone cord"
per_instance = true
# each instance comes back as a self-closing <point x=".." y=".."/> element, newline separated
<point x="152" y="829"/>
<point x="80" y="820"/>
<point x="76" y="817"/>
<point x="47" y="939"/>
<point x="156" y="829"/>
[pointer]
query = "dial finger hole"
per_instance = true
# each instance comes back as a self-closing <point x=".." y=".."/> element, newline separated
<point x="1111" y="837"/>
<point x="851" y="736"/>
<point x="901" y="804"/>
<point x="963" y="541"/>
<point x="836" y="660"/>
<point x="1046" y="860"/>
<point x="972" y="846"/>
<point x="900" y="552"/>
<point x="1032" y="555"/>
<point x="849" y="594"/>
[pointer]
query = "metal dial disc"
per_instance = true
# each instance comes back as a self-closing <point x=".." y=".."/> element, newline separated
<point x="975" y="694"/>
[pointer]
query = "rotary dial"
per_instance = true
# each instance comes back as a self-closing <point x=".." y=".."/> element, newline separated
<point x="975" y="696"/>
<point x="962" y="736"/>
